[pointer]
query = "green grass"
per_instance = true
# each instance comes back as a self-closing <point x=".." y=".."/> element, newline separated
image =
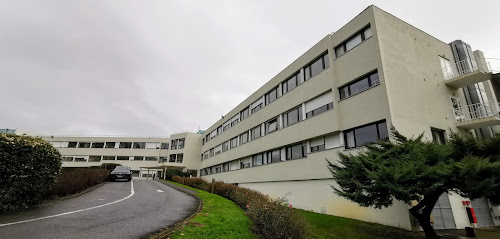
<point x="327" y="226"/>
<point x="219" y="218"/>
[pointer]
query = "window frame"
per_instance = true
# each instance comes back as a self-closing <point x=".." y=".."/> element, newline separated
<point x="285" y="116"/>
<point x="370" y="80"/>
<point x="343" y="44"/>
<point x="376" y="123"/>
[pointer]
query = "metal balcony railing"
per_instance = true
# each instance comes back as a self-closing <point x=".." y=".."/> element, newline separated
<point x="488" y="65"/>
<point x="477" y="111"/>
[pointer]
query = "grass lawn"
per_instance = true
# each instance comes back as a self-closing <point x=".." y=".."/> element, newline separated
<point x="327" y="226"/>
<point x="219" y="218"/>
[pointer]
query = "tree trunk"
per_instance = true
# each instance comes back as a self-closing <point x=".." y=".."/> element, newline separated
<point x="424" y="218"/>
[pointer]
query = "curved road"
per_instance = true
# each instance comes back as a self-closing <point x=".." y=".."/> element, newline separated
<point x="115" y="210"/>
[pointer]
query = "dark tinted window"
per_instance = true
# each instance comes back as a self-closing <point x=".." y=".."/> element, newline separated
<point x="319" y="110"/>
<point x="365" y="134"/>
<point x="274" y="156"/>
<point x="244" y="113"/>
<point x="359" y="86"/>
<point x="110" y="144"/>
<point x="139" y="145"/>
<point x="256" y="132"/>
<point x="258" y="159"/>
<point x="272" y="96"/>
<point x="125" y="145"/>
<point x="98" y="145"/>
<point x="293" y="116"/>
<point x="84" y="145"/>
<point x="244" y="138"/>
<point x="295" y="152"/>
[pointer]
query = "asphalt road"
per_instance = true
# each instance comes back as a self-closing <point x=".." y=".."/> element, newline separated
<point x="115" y="210"/>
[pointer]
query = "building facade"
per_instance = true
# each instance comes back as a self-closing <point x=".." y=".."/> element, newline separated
<point x="375" y="72"/>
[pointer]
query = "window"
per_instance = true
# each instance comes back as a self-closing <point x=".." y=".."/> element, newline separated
<point x="206" y="154"/>
<point x="358" y="86"/>
<point x="244" y="138"/>
<point x="438" y="136"/>
<point x="110" y="145"/>
<point x="256" y="132"/>
<point x="218" y="149"/>
<point x="98" y="145"/>
<point x="234" y="142"/>
<point x="108" y="157"/>
<point x="271" y="96"/>
<point x="181" y="143"/>
<point x="84" y="145"/>
<point x="319" y="110"/>
<point x="296" y="152"/>
<point x="245" y="165"/>
<point x="234" y="122"/>
<point x="316" y="66"/>
<point x="353" y="41"/>
<point x="317" y="145"/>
<point x="94" y="158"/>
<point x="226" y="125"/>
<point x="292" y="116"/>
<point x="290" y="84"/>
<point x="164" y="145"/>
<point x="152" y="145"/>
<point x="163" y="159"/>
<point x="366" y="134"/>
<point x="138" y="158"/>
<point x="174" y="144"/>
<point x="180" y="157"/>
<point x="219" y="130"/>
<point x="256" y="108"/>
<point x="67" y="159"/>
<point x="203" y="141"/>
<point x="271" y="125"/>
<point x="72" y="144"/>
<point x="125" y="145"/>
<point x="244" y="113"/>
<point x="211" y="152"/>
<point x="139" y="145"/>
<point x="225" y="146"/>
<point x="258" y="159"/>
<point x="122" y="158"/>
<point x="274" y="156"/>
<point x="151" y="158"/>
<point x="225" y="167"/>
<point x="80" y="159"/>
<point x="446" y="68"/>
<point x="173" y="157"/>
<point x="208" y="138"/>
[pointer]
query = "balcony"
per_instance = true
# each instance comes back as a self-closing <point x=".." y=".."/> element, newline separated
<point x="468" y="72"/>
<point x="477" y="115"/>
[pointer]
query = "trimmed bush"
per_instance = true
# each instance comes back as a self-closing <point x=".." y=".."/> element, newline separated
<point x="273" y="218"/>
<point x="28" y="168"/>
<point x="73" y="180"/>
<point x="169" y="173"/>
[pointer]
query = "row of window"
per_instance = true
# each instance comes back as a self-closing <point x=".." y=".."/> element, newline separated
<point x="359" y="85"/>
<point x="307" y="72"/>
<point x="112" y="145"/>
<point x="286" y="119"/>
<point x="178" y="143"/>
<point x="174" y="158"/>
<point x="355" y="137"/>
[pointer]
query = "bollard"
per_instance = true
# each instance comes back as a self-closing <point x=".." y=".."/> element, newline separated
<point x="213" y="185"/>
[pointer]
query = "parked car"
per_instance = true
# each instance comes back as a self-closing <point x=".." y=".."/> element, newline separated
<point x="121" y="172"/>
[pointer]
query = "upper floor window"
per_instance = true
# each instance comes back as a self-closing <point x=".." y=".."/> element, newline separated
<point x="271" y="96"/>
<point x="256" y="132"/>
<point x="293" y="116"/>
<point x="234" y="122"/>
<point x="291" y="83"/>
<point x="234" y="142"/>
<point x="152" y="145"/>
<point x="258" y="159"/>
<point x="244" y="138"/>
<point x="366" y="134"/>
<point x="317" y="144"/>
<point x="98" y="145"/>
<point x="84" y="145"/>
<point x="164" y="145"/>
<point x="256" y="108"/>
<point x="319" y="110"/>
<point x="274" y="156"/>
<point x="139" y="145"/>
<point x="125" y="145"/>
<point x="360" y="85"/>
<point x="271" y="125"/>
<point x="178" y="143"/>
<point x="110" y="145"/>
<point x="244" y="113"/>
<point x="316" y="66"/>
<point x="296" y="152"/>
<point x="225" y="146"/>
<point x="353" y="41"/>
<point x="219" y="130"/>
<point x="446" y="68"/>
<point x="226" y="125"/>
<point x="72" y="144"/>
<point x="211" y="152"/>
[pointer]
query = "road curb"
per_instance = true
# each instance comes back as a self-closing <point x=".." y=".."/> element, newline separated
<point x="168" y="231"/>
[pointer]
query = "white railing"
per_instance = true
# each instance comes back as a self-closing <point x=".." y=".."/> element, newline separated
<point x="451" y="71"/>
<point x="476" y="111"/>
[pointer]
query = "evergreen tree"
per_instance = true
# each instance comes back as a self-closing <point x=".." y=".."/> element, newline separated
<point x="413" y="169"/>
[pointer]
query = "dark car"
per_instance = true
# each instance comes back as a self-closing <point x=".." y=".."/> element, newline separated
<point x="121" y="172"/>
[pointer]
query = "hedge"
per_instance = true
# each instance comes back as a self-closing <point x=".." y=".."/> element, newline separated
<point x="273" y="218"/>
<point x="73" y="180"/>
<point x="28" y="168"/>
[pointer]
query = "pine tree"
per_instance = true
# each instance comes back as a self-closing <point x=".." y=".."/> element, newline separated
<point x="413" y="169"/>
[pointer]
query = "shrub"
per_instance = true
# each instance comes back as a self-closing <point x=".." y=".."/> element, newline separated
<point x="71" y="181"/>
<point x="108" y="166"/>
<point x="28" y="168"/>
<point x="273" y="218"/>
<point x="169" y="173"/>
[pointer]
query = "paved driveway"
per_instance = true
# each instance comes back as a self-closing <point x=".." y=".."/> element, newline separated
<point x="115" y="210"/>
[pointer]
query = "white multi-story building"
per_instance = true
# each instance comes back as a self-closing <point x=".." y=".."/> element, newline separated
<point x="347" y="90"/>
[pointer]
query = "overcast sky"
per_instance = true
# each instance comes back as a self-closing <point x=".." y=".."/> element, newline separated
<point x="152" y="68"/>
